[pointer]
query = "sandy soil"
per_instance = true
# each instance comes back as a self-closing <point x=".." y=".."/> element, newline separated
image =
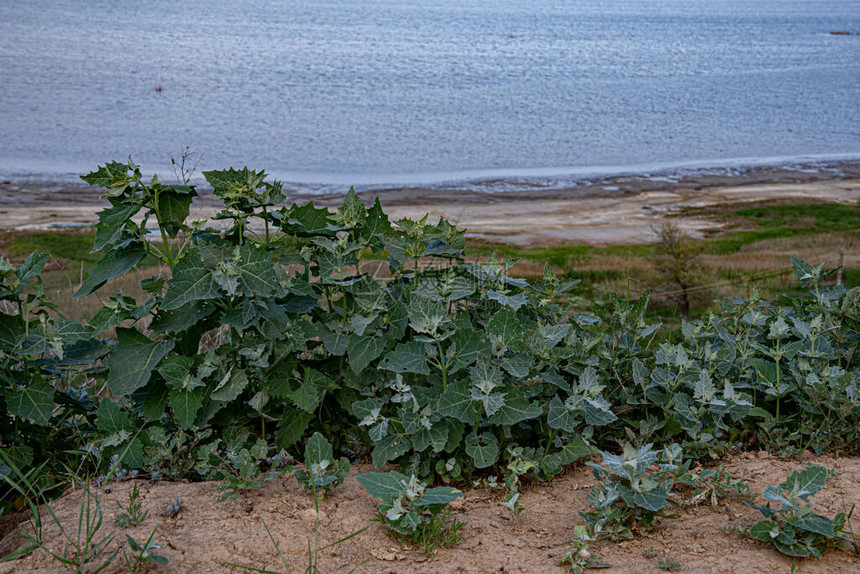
<point x="617" y="210"/>
<point x="208" y="532"/>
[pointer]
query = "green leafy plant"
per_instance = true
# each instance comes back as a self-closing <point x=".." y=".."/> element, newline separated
<point x="412" y="512"/>
<point x="132" y="514"/>
<point x="713" y="485"/>
<point x="631" y="496"/>
<point x="669" y="564"/>
<point x="142" y="553"/>
<point x="322" y="471"/>
<point x="793" y="529"/>
<point x="579" y="558"/>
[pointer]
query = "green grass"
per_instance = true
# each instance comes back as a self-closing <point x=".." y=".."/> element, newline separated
<point x="65" y="246"/>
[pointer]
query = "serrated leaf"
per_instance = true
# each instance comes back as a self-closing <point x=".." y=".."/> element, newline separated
<point x="384" y="485"/>
<point x="35" y="402"/>
<point x="406" y="358"/>
<point x="230" y="386"/>
<point x="291" y="427"/>
<point x="483" y="448"/>
<point x="505" y="325"/>
<point x="805" y="483"/>
<point x="191" y="281"/>
<point x="185" y="404"/>
<point x="308" y="220"/>
<point x="113" y="264"/>
<point x="512" y="301"/>
<point x="335" y="343"/>
<point x="133" y="360"/>
<point x="570" y="452"/>
<point x="113" y="176"/>
<point x="256" y="272"/>
<point x="814" y="523"/>
<point x="654" y="499"/>
<point x="764" y="530"/>
<point x="391" y="447"/>
<point x="516" y="409"/>
<point x="438" y="496"/>
<point x="181" y="318"/>
<point x="174" y="206"/>
<point x="456" y="402"/>
<point x="363" y="350"/>
<point x="318" y="450"/>
<point x="558" y="416"/>
<point x="110" y="419"/>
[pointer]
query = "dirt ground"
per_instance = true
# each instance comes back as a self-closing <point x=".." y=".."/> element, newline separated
<point x="209" y="532"/>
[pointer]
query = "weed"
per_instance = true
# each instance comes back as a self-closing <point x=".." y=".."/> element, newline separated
<point x="412" y="512"/>
<point x="322" y="472"/>
<point x="173" y="508"/>
<point x="142" y="553"/>
<point x="578" y="558"/>
<point x="794" y="529"/>
<point x="668" y="564"/>
<point x="133" y="513"/>
<point x="630" y="496"/>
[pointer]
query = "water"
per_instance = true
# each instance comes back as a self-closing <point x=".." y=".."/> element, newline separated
<point x="326" y="94"/>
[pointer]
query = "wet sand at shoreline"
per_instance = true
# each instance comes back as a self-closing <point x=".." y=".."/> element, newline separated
<point x="616" y="210"/>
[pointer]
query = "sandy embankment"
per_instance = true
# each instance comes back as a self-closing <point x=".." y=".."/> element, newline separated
<point x="618" y="210"/>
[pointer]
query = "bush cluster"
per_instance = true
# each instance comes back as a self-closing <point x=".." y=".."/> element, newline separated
<point x="289" y="320"/>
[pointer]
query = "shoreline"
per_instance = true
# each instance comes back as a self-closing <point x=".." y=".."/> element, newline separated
<point x="611" y="210"/>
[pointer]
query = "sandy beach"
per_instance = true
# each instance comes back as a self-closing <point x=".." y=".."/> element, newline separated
<point x="616" y="210"/>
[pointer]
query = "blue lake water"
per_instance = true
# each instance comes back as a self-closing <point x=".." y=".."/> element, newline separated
<point x="381" y="92"/>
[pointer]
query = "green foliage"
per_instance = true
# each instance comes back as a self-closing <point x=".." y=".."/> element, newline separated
<point x="578" y="558"/>
<point x="669" y="564"/>
<point x="132" y="514"/>
<point x="714" y="484"/>
<point x="287" y="321"/>
<point x="322" y="472"/>
<point x="794" y="529"/>
<point x="412" y="512"/>
<point x="631" y="496"/>
<point x="142" y="553"/>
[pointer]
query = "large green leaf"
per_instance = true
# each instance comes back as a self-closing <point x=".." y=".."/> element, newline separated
<point x="113" y="264"/>
<point x="191" y="281"/>
<point x="111" y="223"/>
<point x="391" y="447"/>
<point x="113" y="176"/>
<point x="456" y="402"/>
<point x="291" y="427"/>
<point x="174" y="205"/>
<point x="571" y="451"/>
<point x="438" y="496"/>
<point x="110" y="418"/>
<point x="132" y="361"/>
<point x="384" y="485"/>
<point x="256" y="272"/>
<point x="363" y="350"/>
<point x="406" y="358"/>
<point x="654" y="499"/>
<point x="516" y="409"/>
<point x="483" y="448"/>
<point x="505" y="325"/>
<point x="185" y="404"/>
<point x="318" y="450"/>
<point x="230" y="386"/>
<point x="35" y="402"/>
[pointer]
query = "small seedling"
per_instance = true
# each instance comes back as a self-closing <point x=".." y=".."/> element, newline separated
<point x="174" y="507"/>
<point x="133" y="514"/>
<point x="669" y="564"/>
<point x="413" y="513"/>
<point x="579" y="558"/>
<point x="714" y="484"/>
<point x="142" y="554"/>
<point x="322" y="472"/>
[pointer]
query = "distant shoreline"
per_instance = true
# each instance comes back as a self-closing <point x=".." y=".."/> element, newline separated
<point x="620" y="209"/>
